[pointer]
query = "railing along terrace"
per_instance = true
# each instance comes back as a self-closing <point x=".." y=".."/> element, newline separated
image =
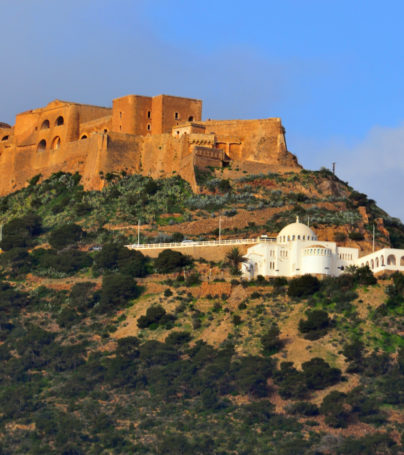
<point x="192" y="243"/>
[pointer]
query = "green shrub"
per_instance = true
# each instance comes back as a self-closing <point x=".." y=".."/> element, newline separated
<point x="155" y="315"/>
<point x="117" y="290"/>
<point x="304" y="408"/>
<point x="335" y="410"/>
<point x="114" y="257"/>
<point x="178" y="339"/>
<point x="358" y="236"/>
<point x="316" y="324"/>
<point x="193" y="279"/>
<point x="65" y="235"/>
<point x="319" y="375"/>
<point x="20" y="232"/>
<point x="270" y="341"/>
<point x="66" y="262"/>
<point x="339" y="236"/>
<point x="303" y="286"/>
<point x="170" y="261"/>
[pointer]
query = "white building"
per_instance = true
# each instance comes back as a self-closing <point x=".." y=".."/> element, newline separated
<point x="297" y="251"/>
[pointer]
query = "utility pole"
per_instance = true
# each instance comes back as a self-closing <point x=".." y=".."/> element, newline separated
<point x="373" y="238"/>
<point x="220" y="228"/>
<point x="138" y="232"/>
<point x="333" y="168"/>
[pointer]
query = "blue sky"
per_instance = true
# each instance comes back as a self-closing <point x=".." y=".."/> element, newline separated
<point x="332" y="70"/>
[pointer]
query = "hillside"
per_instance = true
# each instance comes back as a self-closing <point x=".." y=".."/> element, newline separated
<point x="104" y="351"/>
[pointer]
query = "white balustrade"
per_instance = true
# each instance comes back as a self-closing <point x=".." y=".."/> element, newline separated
<point x="154" y="246"/>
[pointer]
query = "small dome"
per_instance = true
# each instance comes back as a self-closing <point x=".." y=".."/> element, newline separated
<point x="296" y="231"/>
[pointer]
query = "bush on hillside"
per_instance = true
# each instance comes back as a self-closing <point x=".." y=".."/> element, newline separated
<point x="316" y="324"/>
<point x="303" y="286"/>
<point x="155" y="315"/>
<point x="171" y="261"/>
<point x="319" y="375"/>
<point x="270" y="341"/>
<point x="18" y="259"/>
<point x="65" y="235"/>
<point x="20" y="232"/>
<point x="357" y="236"/>
<point x="335" y="410"/>
<point x="66" y="262"/>
<point x="114" y="257"/>
<point x="117" y="289"/>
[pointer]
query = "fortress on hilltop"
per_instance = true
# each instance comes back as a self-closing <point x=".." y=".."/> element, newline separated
<point x="158" y="136"/>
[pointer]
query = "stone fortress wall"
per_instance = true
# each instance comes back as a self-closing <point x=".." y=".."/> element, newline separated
<point x="157" y="136"/>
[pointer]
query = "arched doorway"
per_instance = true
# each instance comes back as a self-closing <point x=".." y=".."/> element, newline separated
<point x="382" y="261"/>
<point x="377" y="262"/>
<point x="41" y="146"/>
<point x="402" y="261"/>
<point x="56" y="143"/>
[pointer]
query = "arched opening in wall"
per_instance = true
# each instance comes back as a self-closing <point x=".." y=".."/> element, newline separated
<point x="105" y="131"/>
<point x="382" y="261"/>
<point x="4" y="138"/>
<point x="60" y="121"/>
<point x="191" y="118"/>
<point x="176" y="115"/>
<point x="148" y="127"/>
<point x="372" y="264"/>
<point x="41" y="146"/>
<point x="84" y="136"/>
<point x="402" y="261"/>
<point x="45" y="125"/>
<point x="56" y="143"/>
<point x="377" y="262"/>
<point x="367" y="263"/>
<point x="391" y="259"/>
<point x="148" y="114"/>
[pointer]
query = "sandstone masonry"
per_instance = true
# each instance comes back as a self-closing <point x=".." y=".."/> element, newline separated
<point x="157" y="136"/>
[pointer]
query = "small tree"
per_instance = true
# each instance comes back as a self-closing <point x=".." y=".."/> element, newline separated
<point x="333" y="407"/>
<point x="316" y="324"/>
<point x="234" y="257"/>
<point x="170" y="261"/>
<point x="303" y="286"/>
<point x="66" y="235"/>
<point x="117" y="290"/>
<point x="270" y="341"/>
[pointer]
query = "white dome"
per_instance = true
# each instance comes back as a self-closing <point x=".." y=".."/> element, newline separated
<point x="296" y="231"/>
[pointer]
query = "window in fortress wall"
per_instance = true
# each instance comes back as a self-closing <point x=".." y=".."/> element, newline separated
<point x="176" y="116"/>
<point x="45" y="125"/>
<point x="148" y="127"/>
<point x="59" y="121"/>
<point x="190" y="118"/>
<point x="148" y="114"/>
